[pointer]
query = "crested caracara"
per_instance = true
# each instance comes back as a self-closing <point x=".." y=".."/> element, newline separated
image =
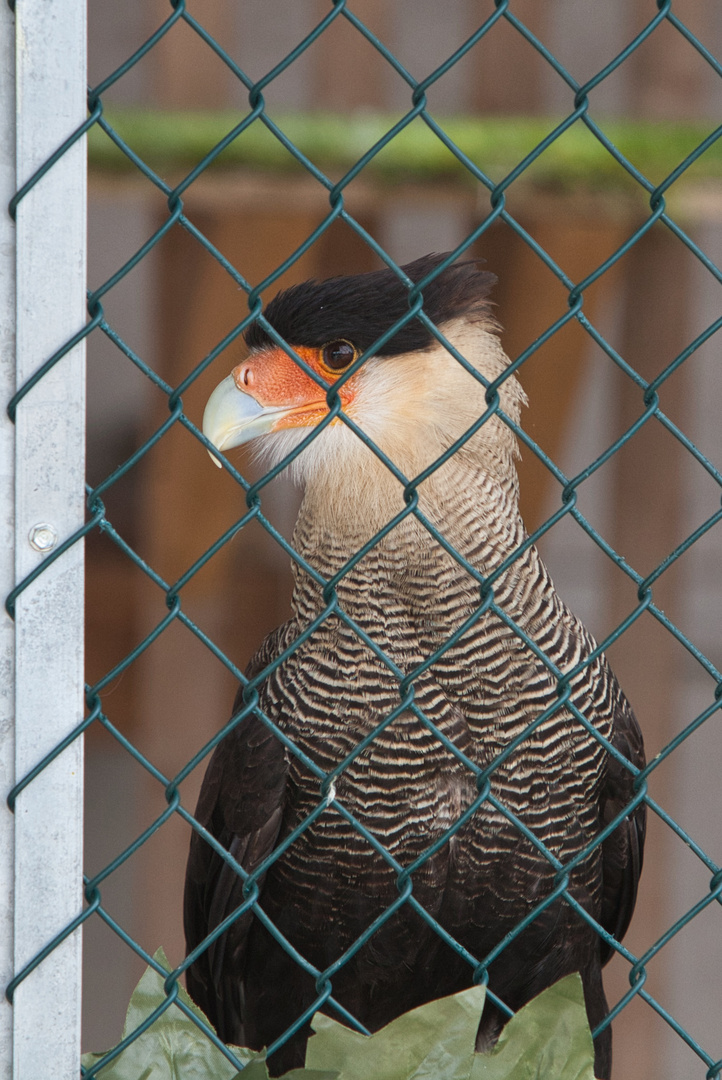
<point x="417" y="687"/>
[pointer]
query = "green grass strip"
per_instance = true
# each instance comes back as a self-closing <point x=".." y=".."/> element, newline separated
<point x="175" y="139"/>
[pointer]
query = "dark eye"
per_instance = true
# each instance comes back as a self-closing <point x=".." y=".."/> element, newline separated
<point x="337" y="355"/>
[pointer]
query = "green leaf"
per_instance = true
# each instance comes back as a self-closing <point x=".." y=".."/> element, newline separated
<point x="433" y="1042"/>
<point x="173" y="1047"/>
<point x="548" y="1037"/>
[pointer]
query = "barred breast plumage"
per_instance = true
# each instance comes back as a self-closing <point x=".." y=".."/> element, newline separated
<point x="408" y="774"/>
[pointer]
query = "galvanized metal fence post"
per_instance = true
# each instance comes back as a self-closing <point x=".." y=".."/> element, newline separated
<point x="7" y="564"/>
<point x="43" y="305"/>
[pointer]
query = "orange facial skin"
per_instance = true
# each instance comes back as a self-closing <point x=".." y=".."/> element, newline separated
<point x="274" y="380"/>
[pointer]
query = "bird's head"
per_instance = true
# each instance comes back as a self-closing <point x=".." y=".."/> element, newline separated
<point x="411" y="395"/>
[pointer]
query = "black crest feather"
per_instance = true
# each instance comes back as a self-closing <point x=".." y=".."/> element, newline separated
<point x="361" y="307"/>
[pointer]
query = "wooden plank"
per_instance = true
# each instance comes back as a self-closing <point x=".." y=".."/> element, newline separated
<point x="509" y="71"/>
<point x="530" y="300"/>
<point x="648" y="523"/>
<point x="185" y="71"/>
<point x="667" y="78"/>
<point x="349" y="73"/>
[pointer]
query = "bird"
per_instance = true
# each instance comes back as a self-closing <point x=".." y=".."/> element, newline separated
<point x="432" y="744"/>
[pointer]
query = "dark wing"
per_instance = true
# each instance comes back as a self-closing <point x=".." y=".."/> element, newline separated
<point x="241" y="804"/>
<point x="623" y="850"/>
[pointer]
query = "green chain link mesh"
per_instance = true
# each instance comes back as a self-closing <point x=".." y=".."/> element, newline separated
<point x="249" y="127"/>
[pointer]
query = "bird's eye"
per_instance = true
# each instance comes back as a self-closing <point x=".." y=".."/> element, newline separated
<point x="337" y="355"/>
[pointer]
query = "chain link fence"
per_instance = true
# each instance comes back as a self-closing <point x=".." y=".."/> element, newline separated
<point x="492" y="161"/>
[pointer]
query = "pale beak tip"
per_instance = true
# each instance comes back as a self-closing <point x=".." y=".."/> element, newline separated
<point x="232" y="418"/>
<point x="215" y="460"/>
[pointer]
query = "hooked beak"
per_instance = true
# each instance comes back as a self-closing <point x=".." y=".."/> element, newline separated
<point x="232" y="417"/>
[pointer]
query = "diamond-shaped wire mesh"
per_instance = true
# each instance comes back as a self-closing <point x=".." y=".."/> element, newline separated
<point x="316" y="182"/>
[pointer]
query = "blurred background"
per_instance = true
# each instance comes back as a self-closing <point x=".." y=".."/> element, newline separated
<point x="178" y="303"/>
